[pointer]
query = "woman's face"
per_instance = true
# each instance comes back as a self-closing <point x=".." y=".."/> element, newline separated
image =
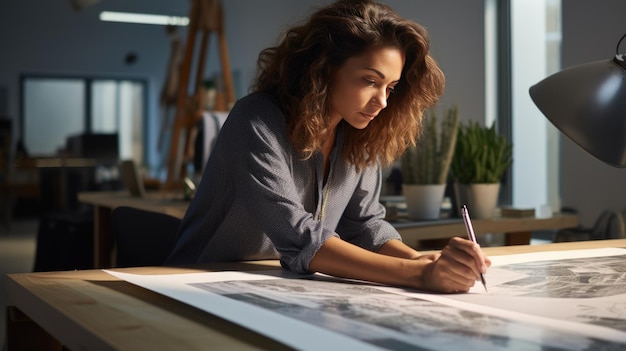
<point x="362" y="85"/>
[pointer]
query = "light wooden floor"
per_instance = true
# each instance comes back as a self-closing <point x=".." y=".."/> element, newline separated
<point x="17" y="255"/>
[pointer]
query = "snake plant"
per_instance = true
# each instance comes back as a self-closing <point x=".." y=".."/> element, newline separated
<point x="428" y="162"/>
<point x="481" y="155"/>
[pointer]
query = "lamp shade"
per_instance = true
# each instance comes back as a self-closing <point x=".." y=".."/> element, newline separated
<point x="588" y="104"/>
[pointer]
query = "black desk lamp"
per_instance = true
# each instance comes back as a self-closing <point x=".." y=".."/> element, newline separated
<point x="588" y="104"/>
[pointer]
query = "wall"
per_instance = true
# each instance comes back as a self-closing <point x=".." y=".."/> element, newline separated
<point x="49" y="37"/>
<point x="591" y="30"/>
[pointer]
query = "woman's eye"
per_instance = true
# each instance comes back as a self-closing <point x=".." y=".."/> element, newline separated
<point x="369" y="81"/>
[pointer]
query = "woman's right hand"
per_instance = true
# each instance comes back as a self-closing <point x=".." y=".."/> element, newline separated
<point x="456" y="268"/>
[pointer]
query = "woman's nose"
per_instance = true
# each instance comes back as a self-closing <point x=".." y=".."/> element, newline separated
<point x="380" y="99"/>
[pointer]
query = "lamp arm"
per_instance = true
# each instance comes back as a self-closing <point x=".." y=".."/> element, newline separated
<point x="619" y="42"/>
<point x="620" y="59"/>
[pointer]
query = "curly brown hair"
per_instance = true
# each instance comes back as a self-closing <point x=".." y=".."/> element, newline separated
<point x="298" y="71"/>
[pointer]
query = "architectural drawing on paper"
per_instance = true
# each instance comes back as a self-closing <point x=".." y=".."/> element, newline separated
<point x="580" y="278"/>
<point x="586" y="290"/>
<point x="392" y="321"/>
<point x="572" y="300"/>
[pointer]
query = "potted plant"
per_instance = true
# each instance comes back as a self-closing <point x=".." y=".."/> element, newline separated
<point x="425" y="165"/>
<point x="480" y="159"/>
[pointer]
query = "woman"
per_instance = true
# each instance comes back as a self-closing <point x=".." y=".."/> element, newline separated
<point x="295" y="172"/>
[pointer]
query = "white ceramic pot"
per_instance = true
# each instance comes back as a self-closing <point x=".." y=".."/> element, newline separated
<point x="481" y="199"/>
<point x="423" y="202"/>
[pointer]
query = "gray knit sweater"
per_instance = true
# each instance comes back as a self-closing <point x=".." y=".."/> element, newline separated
<point x="258" y="200"/>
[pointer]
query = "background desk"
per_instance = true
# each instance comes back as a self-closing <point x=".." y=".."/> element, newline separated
<point x="91" y="310"/>
<point x="105" y="201"/>
<point x="517" y="230"/>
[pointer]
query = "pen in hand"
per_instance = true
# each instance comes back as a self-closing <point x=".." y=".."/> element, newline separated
<point x="470" y="232"/>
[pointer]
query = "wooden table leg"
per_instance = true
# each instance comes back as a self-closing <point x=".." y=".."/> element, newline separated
<point x="432" y="244"/>
<point x="24" y="334"/>
<point x="103" y="237"/>
<point x="514" y="238"/>
<point x="517" y="238"/>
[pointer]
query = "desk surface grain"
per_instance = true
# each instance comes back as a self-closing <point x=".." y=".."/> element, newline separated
<point x="93" y="310"/>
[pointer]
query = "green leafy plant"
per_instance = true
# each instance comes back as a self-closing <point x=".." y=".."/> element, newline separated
<point x="429" y="161"/>
<point x="481" y="155"/>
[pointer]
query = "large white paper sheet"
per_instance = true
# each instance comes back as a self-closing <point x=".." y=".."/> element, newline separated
<point x="569" y="300"/>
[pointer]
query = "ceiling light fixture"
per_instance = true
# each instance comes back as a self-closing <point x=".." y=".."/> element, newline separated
<point x="143" y="18"/>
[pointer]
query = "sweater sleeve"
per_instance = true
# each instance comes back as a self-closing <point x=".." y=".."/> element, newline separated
<point x="363" y="222"/>
<point x="272" y="197"/>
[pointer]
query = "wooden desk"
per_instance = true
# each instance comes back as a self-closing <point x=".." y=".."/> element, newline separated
<point x="517" y="230"/>
<point x="58" y="179"/>
<point x="91" y="310"/>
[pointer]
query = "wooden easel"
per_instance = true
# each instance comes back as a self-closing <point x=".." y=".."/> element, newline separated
<point x="205" y="16"/>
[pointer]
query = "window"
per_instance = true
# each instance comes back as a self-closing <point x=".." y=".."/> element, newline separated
<point x="522" y="48"/>
<point x="54" y="108"/>
<point x="535" y="39"/>
<point x="118" y="107"/>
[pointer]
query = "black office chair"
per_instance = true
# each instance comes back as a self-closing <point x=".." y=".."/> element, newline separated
<point x="142" y="238"/>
